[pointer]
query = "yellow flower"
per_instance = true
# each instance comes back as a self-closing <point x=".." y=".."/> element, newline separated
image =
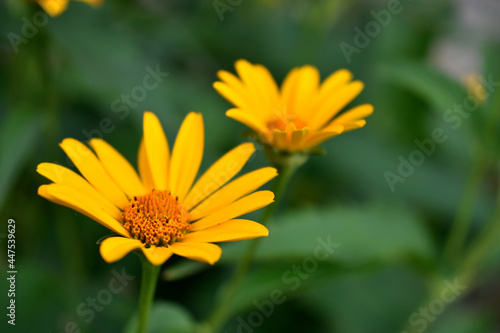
<point x="300" y="115"/>
<point x="57" y="7"/>
<point x="161" y="210"/>
<point x="475" y="88"/>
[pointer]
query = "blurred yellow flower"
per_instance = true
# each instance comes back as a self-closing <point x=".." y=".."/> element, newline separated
<point x="300" y="115"/>
<point x="57" y="7"/>
<point x="159" y="210"/>
<point x="475" y="88"/>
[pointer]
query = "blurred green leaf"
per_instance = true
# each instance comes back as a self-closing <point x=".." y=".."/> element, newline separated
<point x="434" y="186"/>
<point x="372" y="233"/>
<point x="384" y="299"/>
<point x="337" y="296"/>
<point x="433" y="86"/>
<point x="363" y="234"/>
<point x="310" y="248"/>
<point x="166" y="317"/>
<point x="283" y="279"/>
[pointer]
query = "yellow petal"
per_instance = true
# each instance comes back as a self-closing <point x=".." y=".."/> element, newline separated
<point x="267" y="80"/>
<point x="91" y="168"/>
<point x="204" y="252"/>
<point x="115" y="248"/>
<point x="219" y="173"/>
<point x="233" y="191"/>
<point x="332" y="83"/>
<point x="298" y="137"/>
<point x="354" y="114"/>
<point x="321" y="136"/>
<point x="234" y="95"/>
<point x="354" y="125"/>
<point x="279" y="139"/>
<point x="244" y="97"/>
<point x="240" y="207"/>
<point x="335" y="104"/>
<point x="186" y="155"/>
<point x="118" y="168"/>
<point x="247" y="119"/>
<point x="82" y="203"/>
<point x="157" y="150"/>
<point x="255" y="86"/>
<point x="64" y="176"/>
<point x="229" y="231"/>
<point x="144" y="169"/>
<point x="53" y="7"/>
<point x="233" y="81"/>
<point x="261" y="88"/>
<point x="157" y="255"/>
<point x="289" y="86"/>
<point x="305" y="91"/>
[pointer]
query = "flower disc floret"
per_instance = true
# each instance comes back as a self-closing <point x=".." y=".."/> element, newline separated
<point x="156" y="218"/>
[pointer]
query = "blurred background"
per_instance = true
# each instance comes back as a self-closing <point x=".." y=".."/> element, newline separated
<point x="386" y="203"/>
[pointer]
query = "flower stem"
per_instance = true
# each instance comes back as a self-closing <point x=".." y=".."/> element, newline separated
<point x="483" y="244"/>
<point x="460" y="226"/>
<point x="150" y="274"/>
<point x="436" y="285"/>
<point x="482" y="161"/>
<point x="219" y="316"/>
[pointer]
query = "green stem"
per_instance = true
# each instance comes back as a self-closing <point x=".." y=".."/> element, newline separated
<point x="461" y="223"/>
<point x="437" y="284"/>
<point x="149" y="280"/>
<point x="482" y="160"/>
<point x="222" y="309"/>
<point x="480" y="248"/>
<point x="488" y="238"/>
<point x="483" y="244"/>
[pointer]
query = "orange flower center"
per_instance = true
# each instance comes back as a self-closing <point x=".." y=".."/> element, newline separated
<point x="282" y="121"/>
<point x="156" y="218"/>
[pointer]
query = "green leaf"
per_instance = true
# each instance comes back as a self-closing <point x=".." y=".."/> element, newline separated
<point x="338" y="296"/>
<point x="434" y="186"/>
<point x="166" y="317"/>
<point x="428" y="83"/>
<point x="362" y="234"/>
<point x="324" y="243"/>
<point x="376" y="297"/>
<point x="18" y="135"/>
<point x="281" y="282"/>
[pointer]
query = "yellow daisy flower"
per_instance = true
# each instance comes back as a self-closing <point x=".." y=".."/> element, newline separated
<point x="161" y="210"/>
<point x="57" y="7"/>
<point x="300" y="115"/>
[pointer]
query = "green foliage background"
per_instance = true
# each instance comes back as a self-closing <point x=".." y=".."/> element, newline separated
<point x="64" y="80"/>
